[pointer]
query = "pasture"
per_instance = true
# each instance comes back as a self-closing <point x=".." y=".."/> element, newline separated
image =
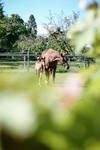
<point x="61" y="72"/>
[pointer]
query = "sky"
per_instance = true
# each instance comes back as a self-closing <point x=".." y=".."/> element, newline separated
<point x="40" y="8"/>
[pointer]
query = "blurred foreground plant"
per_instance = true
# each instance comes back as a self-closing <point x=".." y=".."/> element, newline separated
<point x="83" y="125"/>
<point x="87" y="32"/>
<point x="29" y="114"/>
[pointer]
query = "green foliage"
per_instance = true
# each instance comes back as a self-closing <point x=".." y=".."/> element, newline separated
<point x="16" y="34"/>
<point x="40" y="44"/>
<point x="88" y="32"/>
<point x="25" y="43"/>
<point x="5" y="33"/>
<point x="32" y="26"/>
<point x="29" y="43"/>
<point x="83" y="125"/>
<point x="10" y="29"/>
<point x="58" y="40"/>
<point x="58" y="33"/>
<point x="1" y="10"/>
<point x="33" y="115"/>
<point x="29" y="113"/>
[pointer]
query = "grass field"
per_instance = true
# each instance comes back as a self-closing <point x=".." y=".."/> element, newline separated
<point x="74" y="67"/>
<point x="61" y="73"/>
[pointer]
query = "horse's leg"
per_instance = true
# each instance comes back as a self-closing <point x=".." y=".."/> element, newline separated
<point x="39" y="77"/>
<point x="40" y="74"/>
<point x="47" y="75"/>
<point x="54" y="73"/>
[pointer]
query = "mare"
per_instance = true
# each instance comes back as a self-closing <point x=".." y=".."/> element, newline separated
<point x="50" y="58"/>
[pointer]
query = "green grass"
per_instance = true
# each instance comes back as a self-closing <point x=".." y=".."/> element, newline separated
<point x="61" y="73"/>
<point x="74" y="67"/>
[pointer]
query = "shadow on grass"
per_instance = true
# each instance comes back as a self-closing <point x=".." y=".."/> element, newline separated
<point x="62" y="71"/>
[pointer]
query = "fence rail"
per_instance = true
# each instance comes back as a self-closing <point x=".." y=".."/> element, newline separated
<point x="25" y="58"/>
<point x="32" y="54"/>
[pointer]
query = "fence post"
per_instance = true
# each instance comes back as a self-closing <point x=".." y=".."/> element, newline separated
<point x="88" y="61"/>
<point x="28" y="59"/>
<point x="85" y="61"/>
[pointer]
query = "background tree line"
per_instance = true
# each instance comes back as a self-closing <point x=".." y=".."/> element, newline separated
<point x="17" y="35"/>
<point x="13" y="28"/>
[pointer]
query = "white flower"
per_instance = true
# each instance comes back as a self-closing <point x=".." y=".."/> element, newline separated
<point x="82" y="4"/>
<point x="16" y="114"/>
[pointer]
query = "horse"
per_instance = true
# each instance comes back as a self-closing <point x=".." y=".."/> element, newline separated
<point x="50" y="58"/>
<point x="39" y="67"/>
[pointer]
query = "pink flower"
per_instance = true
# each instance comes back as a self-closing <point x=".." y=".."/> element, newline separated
<point x="73" y="89"/>
<point x="73" y="85"/>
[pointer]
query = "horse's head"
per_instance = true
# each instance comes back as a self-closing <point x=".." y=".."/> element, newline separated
<point x="64" y="62"/>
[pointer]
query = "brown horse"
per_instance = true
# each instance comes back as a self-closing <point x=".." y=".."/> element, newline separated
<point x="50" y="58"/>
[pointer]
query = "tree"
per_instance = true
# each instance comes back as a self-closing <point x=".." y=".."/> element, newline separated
<point x="1" y="10"/>
<point x="62" y="21"/>
<point x="36" y="45"/>
<point x="5" y="33"/>
<point x="18" y="27"/>
<point x="59" y="41"/>
<point x="16" y="19"/>
<point x="10" y="30"/>
<point x="58" y="28"/>
<point x="32" y="26"/>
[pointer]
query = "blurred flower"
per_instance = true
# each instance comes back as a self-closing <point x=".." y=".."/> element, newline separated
<point x="82" y="4"/>
<point x="73" y="88"/>
<point x="17" y="116"/>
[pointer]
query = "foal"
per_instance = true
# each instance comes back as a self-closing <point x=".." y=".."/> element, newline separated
<point x="39" y="67"/>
